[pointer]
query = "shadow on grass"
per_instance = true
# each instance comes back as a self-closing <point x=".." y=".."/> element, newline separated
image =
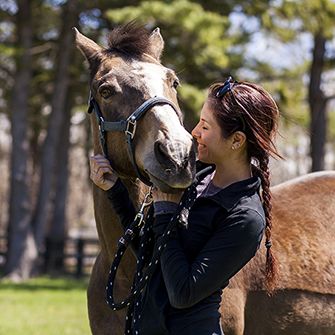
<point x="46" y="283"/>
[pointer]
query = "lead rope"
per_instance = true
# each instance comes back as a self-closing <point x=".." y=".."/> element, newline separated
<point x="133" y="230"/>
<point x="144" y="256"/>
<point x="181" y="217"/>
<point x="133" y="301"/>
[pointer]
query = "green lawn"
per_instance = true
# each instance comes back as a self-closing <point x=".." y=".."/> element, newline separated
<point x="44" y="306"/>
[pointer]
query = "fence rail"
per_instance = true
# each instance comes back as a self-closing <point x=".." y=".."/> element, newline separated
<point x="77" y="254"/>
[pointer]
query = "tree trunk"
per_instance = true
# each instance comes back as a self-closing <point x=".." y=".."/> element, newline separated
<point x="55" y="241"/>
<point x="58" y="104"/>
<point x="21" y="253"/>
<point x="317" y="104"/>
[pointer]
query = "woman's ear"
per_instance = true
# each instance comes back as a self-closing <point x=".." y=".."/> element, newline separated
<point x="238" y="140"/>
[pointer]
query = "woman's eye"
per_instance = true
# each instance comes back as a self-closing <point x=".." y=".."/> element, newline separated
<point x="175" y="84"/>
<point x="205" y="128"/>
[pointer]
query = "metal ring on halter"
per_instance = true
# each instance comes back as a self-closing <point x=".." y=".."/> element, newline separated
<point x="127" y="126"/>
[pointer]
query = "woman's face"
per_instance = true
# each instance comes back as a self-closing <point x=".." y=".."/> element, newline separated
<point x="212" y="146"/>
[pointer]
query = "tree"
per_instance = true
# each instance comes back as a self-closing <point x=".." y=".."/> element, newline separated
<point x="26" y="235"/>
<point x="22" y="250"/>
<point x="198" y="45"/>
<point x="55" y="122"/>
<point x="57" y="232"/>
<point x="287" y="19"/>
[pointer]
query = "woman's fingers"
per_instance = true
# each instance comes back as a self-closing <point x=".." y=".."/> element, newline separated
<point x="98" y="160"/>
<point x="101" y="172"/>
<point x="104" y="167"/>
<point x="104" y="172"/>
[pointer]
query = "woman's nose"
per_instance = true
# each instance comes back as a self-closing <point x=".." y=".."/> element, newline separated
<point x="195" y="132"/>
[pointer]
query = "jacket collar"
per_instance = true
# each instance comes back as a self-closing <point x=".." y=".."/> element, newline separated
<point x="230" y="195"/>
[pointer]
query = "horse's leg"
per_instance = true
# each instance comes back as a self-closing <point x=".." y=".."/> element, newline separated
<point x="232" y="311"/>
<point x="103" y="321"/>
<point x="290" y="312"/>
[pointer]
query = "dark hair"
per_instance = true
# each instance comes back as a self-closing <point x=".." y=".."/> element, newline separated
<point x="249" y="108"/>
<point x="131" y="39"/>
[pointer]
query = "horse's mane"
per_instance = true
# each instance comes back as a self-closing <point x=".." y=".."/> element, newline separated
<point x="130" y="39"/>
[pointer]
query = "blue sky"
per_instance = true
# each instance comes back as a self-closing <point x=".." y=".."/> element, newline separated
<point x="265" y="48"/>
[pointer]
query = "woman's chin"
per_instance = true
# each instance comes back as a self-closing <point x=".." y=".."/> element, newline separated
<point x="206" y="160"/>
<point x="202" y="158"/>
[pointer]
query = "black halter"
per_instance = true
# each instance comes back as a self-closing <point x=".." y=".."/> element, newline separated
<point x="128" y="126"/>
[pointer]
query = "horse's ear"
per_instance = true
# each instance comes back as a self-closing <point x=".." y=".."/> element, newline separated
<point x="88" y="48"/>
<point x="156" y="44"/>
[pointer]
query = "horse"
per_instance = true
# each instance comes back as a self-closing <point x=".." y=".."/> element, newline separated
<point x="125" y="76"/>
<point x="128" y="80"/>
<point x="303" y="236"/>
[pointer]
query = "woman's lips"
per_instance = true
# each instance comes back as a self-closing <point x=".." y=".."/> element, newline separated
<point x="201" y="146"/>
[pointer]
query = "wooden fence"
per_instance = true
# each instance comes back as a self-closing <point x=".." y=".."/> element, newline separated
<point x="78" y="255"/>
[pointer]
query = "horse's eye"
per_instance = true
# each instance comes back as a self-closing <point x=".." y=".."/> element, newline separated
<point x="175" y="83"/>
<point x="106" y="92"/>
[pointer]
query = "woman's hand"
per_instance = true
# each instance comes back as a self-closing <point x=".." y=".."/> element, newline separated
<point x="158" y="195"/>
<point x="102" y="173"/>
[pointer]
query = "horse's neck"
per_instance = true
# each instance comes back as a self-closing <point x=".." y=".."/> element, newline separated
<point x="109" y="230"/>
<point x="136" y="190"/>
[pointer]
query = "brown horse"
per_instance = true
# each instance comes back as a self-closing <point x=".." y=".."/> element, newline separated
<point x="123" y="77"/>
<point x="304" y="242"/>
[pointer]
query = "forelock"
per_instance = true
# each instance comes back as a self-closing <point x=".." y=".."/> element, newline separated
<point x="130" y="39"/>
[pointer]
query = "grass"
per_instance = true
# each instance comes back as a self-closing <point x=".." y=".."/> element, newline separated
<point x="44" y="306"/>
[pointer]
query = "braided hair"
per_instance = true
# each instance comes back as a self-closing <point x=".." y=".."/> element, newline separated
<point x="271" y="264"/>
<point x="249" y="108"/>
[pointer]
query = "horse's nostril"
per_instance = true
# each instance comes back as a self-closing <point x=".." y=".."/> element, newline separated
<point x="185" y="162"/>
<point x="163" y="157"/>
<point x="172" y="156"/>
<point x="160" y="150"/>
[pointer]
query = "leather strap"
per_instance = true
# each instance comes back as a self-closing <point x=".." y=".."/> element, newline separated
<point x="127" y="126"/>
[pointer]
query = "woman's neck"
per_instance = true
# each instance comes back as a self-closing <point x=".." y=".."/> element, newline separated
<point x="226" y="174"/>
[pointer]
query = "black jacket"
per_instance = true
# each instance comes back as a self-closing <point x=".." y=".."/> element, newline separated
<point x="222" y="234"/>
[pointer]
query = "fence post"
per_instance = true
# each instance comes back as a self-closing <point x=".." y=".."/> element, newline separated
<point x="80" y="257"/>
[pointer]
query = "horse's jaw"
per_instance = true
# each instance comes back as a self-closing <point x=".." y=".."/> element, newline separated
<point x="171" y="180"/>
<point x="171" y="186"/>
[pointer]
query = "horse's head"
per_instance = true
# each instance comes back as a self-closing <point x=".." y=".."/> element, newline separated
<point x="123" y="77"/>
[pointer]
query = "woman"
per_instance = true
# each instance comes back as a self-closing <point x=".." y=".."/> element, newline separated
<point x="225" y="224"/>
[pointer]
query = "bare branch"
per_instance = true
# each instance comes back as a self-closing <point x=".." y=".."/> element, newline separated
<point x="330" y="97"/>
<point x="41" y="48"/>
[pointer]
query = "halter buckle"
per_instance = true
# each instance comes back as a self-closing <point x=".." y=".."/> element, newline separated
<point x="131" y="128"/>
<point x="101" y="127"/>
